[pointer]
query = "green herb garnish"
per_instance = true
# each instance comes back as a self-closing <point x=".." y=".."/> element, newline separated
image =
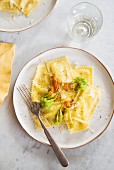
<point x="47" y="101"/>
<point x="82" y="83"/>
<point x="58" y="118"/>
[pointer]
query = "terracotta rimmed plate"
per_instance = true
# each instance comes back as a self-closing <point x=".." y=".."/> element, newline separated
<point x="14" y="23"/>
<point x="102" y="116"/>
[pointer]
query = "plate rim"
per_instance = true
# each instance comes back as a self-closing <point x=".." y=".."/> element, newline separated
<point x="61" y="47"/>
<point x="29" y="27"/>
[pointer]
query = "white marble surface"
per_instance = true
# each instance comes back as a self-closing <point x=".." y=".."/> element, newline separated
<point x="17" y="150"/>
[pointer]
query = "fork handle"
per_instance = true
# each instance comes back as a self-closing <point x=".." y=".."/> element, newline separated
<point x="59" y="153"/>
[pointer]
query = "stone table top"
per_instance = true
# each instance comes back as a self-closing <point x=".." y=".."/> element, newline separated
<point x="18" y="151"/>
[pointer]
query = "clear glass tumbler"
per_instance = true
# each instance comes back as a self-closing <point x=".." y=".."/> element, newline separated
<point x="84" y="21"/>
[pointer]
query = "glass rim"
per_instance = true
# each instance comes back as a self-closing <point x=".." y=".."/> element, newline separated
<point x="93" y="6"/>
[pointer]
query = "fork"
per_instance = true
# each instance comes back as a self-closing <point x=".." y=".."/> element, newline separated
<point x="34" y="107"/>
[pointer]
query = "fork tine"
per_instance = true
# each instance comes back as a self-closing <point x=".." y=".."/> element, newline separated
<point x="24" y="97"/>
<point x="27" y="95"/>
<point x="27" y="91"/>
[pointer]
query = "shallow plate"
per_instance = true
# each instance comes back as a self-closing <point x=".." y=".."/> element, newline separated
<point x="12" y="22"/>
<point x="103" y="112"/>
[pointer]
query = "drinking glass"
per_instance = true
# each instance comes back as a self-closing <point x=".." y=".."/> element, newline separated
<point x="84" y="21"/>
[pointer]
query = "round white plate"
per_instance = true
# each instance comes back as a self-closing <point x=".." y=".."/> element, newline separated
<point x="12" y="22"/>
<point x="103" y="113"/>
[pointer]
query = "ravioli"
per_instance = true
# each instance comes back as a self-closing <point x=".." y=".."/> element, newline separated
<point x="6" y="7"/>
<point x="77" y="126"/>
<point x="85" y="105"/>
<point x="27" y="6"/>
<point x="40" y="83"/>
<point x="66" y="94"/>
<point x="84" y="72"/>
<point x="47" y="116"/>
<point x="61" y="69"/>
<point x="15" y="6"/>
<point x="37" y="123"/>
